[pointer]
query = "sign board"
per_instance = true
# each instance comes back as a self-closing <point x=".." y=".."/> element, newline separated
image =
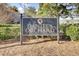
<point x="39" y="26"/>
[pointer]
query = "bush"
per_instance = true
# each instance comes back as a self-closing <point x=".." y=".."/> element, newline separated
<point x="5" y="37"/>
<point x="70" y="30"/>
<point x="9" y="32"/>
<point x="16" y="32"/>
<point x="63" y="28"/>
<point x="5" y="25"/>
<point x="6" y="34"/>
<point x="73" y="32"/>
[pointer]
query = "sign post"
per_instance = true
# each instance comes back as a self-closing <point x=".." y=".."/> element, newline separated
<point x="21" y="11"/>
<point x="58" y="37"/>
<point x="21" y="29"/>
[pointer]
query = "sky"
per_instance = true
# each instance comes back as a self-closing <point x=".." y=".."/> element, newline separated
<point x="35" y="5"/>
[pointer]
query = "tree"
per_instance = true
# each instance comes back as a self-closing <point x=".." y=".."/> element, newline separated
<point x="51" y="9"/>
<point x="30" y="12"/>
<point x="77" y="9"/>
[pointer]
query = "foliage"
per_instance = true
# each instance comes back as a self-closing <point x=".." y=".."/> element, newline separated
<point x="30" y="12"/>
<point x="77" y="9"/>
<point x="9" y="25"/>
<point x="3" y="25"/>
<point x="52" y="9"/>
<point x="16" y="32"/>
<point x="73" y="32"/>
<point x="9" y="32"/>
<point x="63" y="28"/>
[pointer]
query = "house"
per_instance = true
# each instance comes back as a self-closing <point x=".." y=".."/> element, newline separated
<point x="69" y="20"/>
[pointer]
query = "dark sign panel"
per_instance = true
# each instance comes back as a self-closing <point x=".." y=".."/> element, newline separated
<point x="39" y="26"/>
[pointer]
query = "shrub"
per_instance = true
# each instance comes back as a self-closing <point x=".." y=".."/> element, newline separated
<point x="63" y="28"/>
<point x="6" y="34"/>
<point x="16" y="32"/>
<point x="5" y="25"/>
<point x="5" y="37"/>
<point x="9" y="32"/>
<point x="73" y="32"/>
